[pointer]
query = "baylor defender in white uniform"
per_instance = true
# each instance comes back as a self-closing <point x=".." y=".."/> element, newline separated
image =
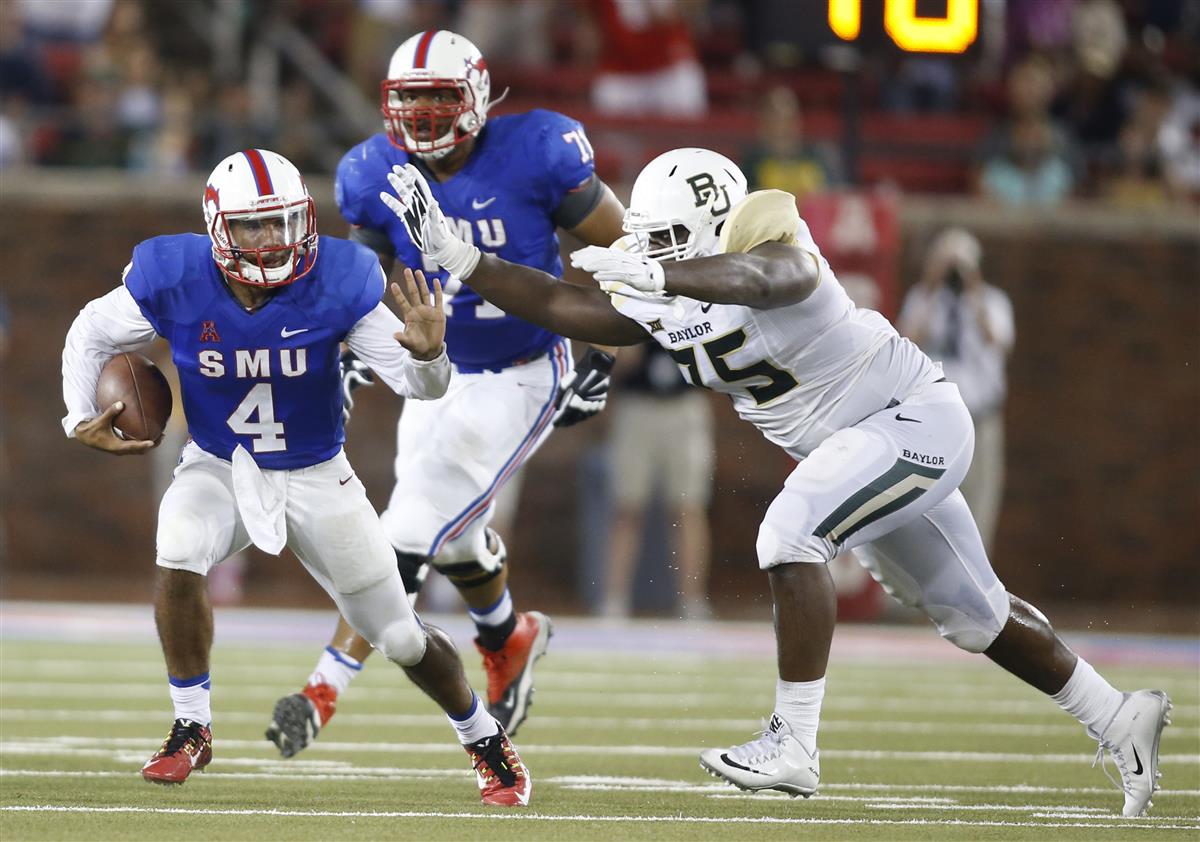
<point x="735" y="288"/>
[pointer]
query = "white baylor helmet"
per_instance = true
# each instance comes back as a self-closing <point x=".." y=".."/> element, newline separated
<point x="453" y="77"/>
<point x="260" y="218"/>
<point x="680" y="200"/>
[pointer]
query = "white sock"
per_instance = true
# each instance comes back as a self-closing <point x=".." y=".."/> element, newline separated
<point x="799" y="704"/>
<point x="495" y="614"/>
<point x="476" y="724"/>
<point x="1089" y="698"/>
<point x="337" y="669"/>
<point x="191" y="697"/>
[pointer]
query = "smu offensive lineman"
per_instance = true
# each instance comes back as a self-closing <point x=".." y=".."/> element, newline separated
<point x="254" y="314"/>
<point x="507" y="183"/>
<point x="881" y="438"/>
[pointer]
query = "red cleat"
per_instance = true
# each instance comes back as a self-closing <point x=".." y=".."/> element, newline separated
<point x="510" y="670"/>
<point x="187" y="747"/>
<point x="503" y="779"/>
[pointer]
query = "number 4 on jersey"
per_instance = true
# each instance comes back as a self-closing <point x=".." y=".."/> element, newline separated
<point x="267" y="432"/>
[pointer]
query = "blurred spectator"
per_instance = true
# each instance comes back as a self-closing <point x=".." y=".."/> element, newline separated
<point x="781" y="158"/>
<point x="1179" y="139"/>
<point x="1095" y="100"/>
<point x="647" y="58"/>
<point x="93" y="136"/>
<point x="1136" y="177"/>
<point x="1037" y="26"/>
<point x="377" y="28"/>
<point x="1028" y="161"/>
<point x="967" y="325"/>
<point x="509" y="32"/>
<point x="662" y="443"/>
<point x="922" y="83"/>
<point x="230" y="123"/>
<point x="168" y="152"/>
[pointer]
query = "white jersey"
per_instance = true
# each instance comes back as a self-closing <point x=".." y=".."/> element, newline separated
<point x="799" y="373"/>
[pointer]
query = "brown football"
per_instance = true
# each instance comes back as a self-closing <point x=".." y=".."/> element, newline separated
<point x="136" y="382"/>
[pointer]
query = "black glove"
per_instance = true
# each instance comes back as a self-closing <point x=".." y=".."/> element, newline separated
<point x="584" y="392"/>
<point x="354" y="373"/>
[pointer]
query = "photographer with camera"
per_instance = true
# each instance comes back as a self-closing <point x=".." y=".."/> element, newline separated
<point x="967" y="325"/>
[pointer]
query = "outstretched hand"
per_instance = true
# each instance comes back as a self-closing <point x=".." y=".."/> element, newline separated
<point x="421" y="311"/>
<point x="99" y="433"/>
<point x="416" y="207"/>
<point x="614" y="265"/>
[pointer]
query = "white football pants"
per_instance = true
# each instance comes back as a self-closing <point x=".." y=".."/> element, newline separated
<point x="454" y="454"/>
<point x="888" y="486"/>
<point x="331" y="527"/>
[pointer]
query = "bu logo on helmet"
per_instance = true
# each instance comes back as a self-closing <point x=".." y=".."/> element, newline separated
<point x="212" y="194"/>
<point x="704" y="188"/>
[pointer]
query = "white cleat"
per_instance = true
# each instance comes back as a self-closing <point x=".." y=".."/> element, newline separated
<point x="1132" y="739"/>
<point x="775" y="760"/>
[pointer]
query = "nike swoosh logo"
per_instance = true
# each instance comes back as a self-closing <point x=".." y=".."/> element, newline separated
<point x="736" y="765"/>
<point x="478" y="205"/>
<point x="900" y="417"/>
<point x="1138" y="770"/>
<point x="285" y="333"/>
<point x="346" y="480"/>
<point x="704" y="308"/>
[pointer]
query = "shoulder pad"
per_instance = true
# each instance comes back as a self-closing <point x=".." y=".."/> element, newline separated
<point x="764" y="216"/>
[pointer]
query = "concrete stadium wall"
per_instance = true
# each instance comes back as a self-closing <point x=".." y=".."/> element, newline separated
<point x="1104" y="450"/>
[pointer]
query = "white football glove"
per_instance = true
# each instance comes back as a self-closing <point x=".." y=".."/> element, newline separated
<point x="426" y="226"/>
<point x="614" y="265"/>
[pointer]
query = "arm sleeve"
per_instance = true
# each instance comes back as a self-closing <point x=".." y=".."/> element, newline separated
<point x="373" y="340"/>
<point x="105" y="327"/>
<point x="577" y="204"/>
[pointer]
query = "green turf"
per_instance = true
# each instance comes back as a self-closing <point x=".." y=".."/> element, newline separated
<point x="909" y="751"/>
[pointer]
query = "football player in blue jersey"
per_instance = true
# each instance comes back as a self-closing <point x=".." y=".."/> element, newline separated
<point x="255" y="313"/>
<point x="506" y="184"/>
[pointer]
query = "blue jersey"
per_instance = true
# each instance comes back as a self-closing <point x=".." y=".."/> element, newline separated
<point x="502" y="200"/>
<point x="266" y="380"/>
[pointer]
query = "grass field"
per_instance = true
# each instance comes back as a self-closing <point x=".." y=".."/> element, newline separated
<point x="918" y="742"/>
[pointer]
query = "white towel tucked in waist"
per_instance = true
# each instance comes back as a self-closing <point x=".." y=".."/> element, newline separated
<point x="262" y="502"/>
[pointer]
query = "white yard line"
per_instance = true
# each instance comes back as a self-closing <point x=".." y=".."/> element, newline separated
<point x="584" y="817"/>
<point x="670" y="723"/>
<point x="620" y="699"/>
<point x="50" y="745"/>
<point x="328" y="770"/>
<point x="996" y="687"/>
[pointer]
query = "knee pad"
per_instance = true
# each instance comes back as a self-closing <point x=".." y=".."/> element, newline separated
<point x="971" y="634"/>
<point x="403" y="642"/>
<point x="413" y="568"/>
<point x="183" y="543"/>
<point x="478" y="571"/>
